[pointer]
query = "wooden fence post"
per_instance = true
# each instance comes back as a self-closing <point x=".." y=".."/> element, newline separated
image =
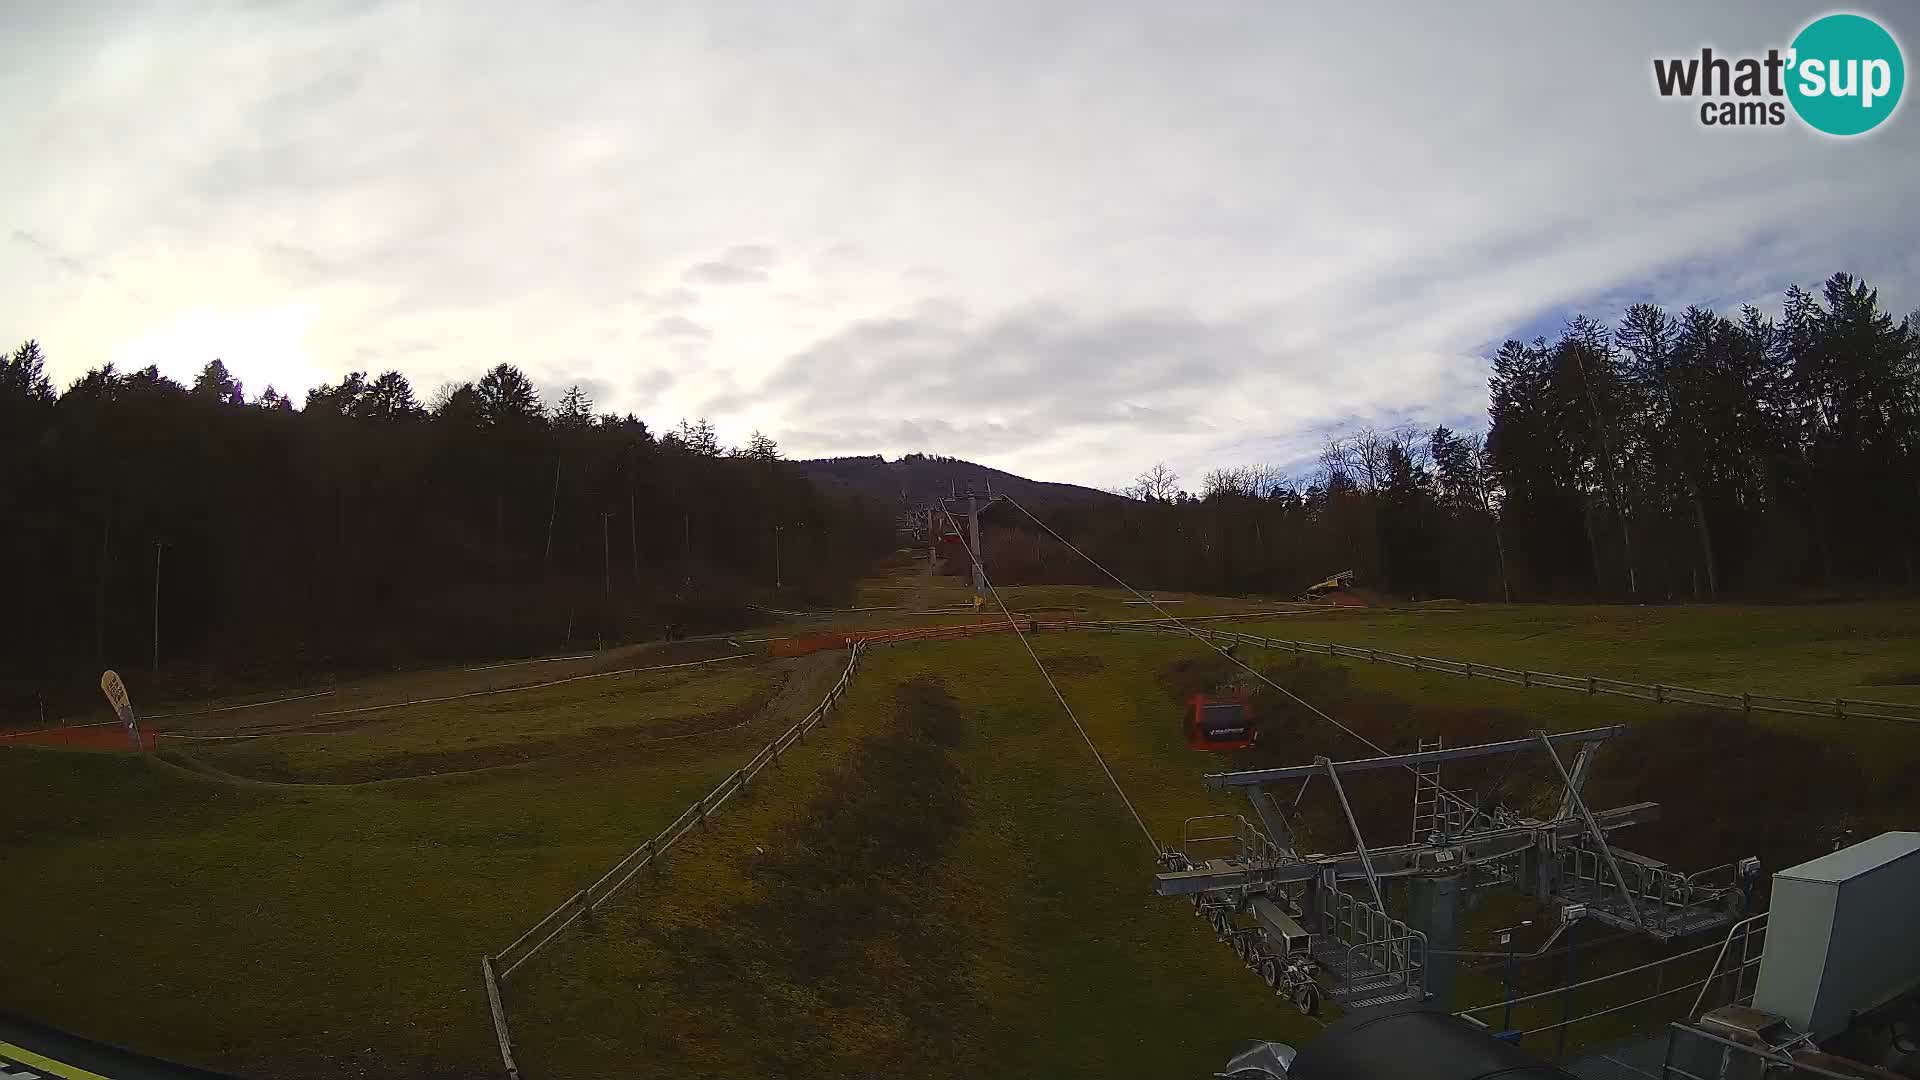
<point x="1592" y="685"/>
<point x="499" y="1012"/>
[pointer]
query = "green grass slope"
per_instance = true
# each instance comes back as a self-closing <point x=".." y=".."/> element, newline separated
<point x="943" y="880"/>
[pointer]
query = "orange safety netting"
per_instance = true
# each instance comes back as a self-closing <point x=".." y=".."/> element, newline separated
<point x="109" y="736"/>
<point x="840" y="639"/>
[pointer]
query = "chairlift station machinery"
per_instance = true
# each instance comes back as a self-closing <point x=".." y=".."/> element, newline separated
<point x="1314" y="925"/>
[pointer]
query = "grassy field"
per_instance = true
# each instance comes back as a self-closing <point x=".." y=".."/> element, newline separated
<point x="316" y="930"/>
<point x="1073" y="966"/>
<point x="619" y="712"/>
<point x="995" y="916"/>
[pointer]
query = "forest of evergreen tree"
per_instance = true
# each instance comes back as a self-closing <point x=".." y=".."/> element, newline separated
<point x="1687" y="457"/>
<point x="368" y="530"/>
<point x="1694" y="456"/>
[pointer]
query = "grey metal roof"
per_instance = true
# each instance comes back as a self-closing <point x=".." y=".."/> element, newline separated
<point x="1851" y="862"/>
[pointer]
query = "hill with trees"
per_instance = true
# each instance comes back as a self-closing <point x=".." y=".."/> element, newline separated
<point x="917" y="479"/>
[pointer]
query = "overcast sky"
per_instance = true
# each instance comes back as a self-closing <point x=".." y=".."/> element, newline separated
<point x="1067" y="239"/>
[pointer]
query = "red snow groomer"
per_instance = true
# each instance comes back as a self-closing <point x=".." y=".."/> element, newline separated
<point x="1220" y="722"/>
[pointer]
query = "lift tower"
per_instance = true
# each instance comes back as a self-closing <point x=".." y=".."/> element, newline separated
<point x="975" y="505"/>
<point x="1322" y="924"/>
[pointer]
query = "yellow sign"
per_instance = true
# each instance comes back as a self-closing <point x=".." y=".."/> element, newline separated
<point x="116" y="692"/>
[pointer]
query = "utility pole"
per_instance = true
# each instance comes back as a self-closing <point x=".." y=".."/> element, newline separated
<point x="552" y="509"/>
<point x="606" y="554"/>
<point x="499" y="531"/>
<point x="633" y="534"/>
<point x="776" y="557"/>
<point x="686" y="549"/>
<point x="974" y="506"/>
<point x="973" y="533"/>
<point x="156" y="605"/>
<point x="100" y="597"/>
<point x="1506" y="942"/>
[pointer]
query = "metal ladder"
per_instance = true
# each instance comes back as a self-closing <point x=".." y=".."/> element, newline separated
<point x="1426" y="793"/>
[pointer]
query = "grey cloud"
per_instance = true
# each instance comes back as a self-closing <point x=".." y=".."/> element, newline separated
<point x="298" y="262"/>
<point x="724" y="403"/>
<point x="383" y="357"/>
<point x="937" y="379"/>
<point x="653" y="384"/>
<point x="1042" y="359"/>
<point x="723" y="273"/>
<point x="1148" y="248"/>
<point x="741" y="264"/>
<point x="599" y="390"/>
<point x="674" y="299"/>
<point x="932" y="434"/>
<point x="680" y="328"/>
<point x="751" y="256"/>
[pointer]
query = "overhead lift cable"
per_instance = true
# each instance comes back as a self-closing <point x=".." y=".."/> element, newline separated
<point x="1203" y="639"/>
<point x="1058" y="696"/>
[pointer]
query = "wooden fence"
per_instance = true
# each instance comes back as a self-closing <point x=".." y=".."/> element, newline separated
<point x="1839" y="708"/>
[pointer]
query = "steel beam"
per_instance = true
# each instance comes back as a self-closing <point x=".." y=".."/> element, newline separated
<point x="1256" y="777"/>
<point x="1278" y="830"/>
<point x="1400" y="860"/>
<point x="1359" y="842"/>
<point x="1599" y="836"/>
<point x="1582" y="767"/>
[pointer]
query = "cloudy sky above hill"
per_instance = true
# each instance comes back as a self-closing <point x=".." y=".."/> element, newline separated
<point x="1067" y="239"/>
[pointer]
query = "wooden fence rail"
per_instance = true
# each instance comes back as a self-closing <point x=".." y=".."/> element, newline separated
<point x="1838" y="708"/>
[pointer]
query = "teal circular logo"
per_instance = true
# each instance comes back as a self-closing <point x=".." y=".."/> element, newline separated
<point x="1845" y="74"/>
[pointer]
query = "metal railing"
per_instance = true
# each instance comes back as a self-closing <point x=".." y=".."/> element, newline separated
<point x="1722" y="982"/>
<point x="584" y="902"/>
<point x="1658" y="893"/>
<point x="1693" y="1054"/>
<point x="1745" y="929"/>
<point x="496" y="968"/>
<point x="1378" y="946"/>
<point x="1395" y="960"/>
<point x="1249" y="845"/>
<point x="1839" y="708"/>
